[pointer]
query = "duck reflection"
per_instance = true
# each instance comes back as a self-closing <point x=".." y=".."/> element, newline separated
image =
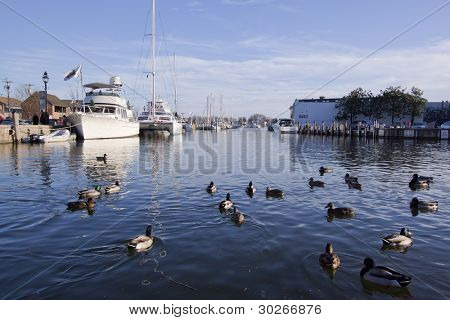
<point x="395" y="292"/>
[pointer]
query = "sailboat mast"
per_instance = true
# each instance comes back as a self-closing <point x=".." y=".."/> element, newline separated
<point x="175" y="79"/>
<point x="154" y="57"/>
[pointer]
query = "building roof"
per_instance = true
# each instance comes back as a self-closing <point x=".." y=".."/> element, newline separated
<point x="12" y="101"/>
<point x="318" y="100"/>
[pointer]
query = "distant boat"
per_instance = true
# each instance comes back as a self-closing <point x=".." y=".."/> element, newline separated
<point x="104" y="113"/>
<point x="285" y="126"/>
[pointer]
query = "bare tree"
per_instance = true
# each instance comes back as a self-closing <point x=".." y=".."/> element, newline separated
<point x="23" y="92"/>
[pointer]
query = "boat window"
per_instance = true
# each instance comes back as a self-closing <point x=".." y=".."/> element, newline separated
<point x="110" y="110"/>
<point x="96" y="109"/>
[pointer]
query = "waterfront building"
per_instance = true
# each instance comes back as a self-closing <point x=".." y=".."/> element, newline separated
<point x="8" y="106"/>
<point x="324" y="110"/>
<point x="56" y="108"/>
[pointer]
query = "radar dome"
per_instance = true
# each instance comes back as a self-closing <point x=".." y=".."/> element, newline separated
<point x="115" y="81"/>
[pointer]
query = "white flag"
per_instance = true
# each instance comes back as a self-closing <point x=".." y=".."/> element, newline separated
<point x="72" y="73"/>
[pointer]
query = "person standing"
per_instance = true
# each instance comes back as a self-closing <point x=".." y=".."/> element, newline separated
<point x="35" y="119"/>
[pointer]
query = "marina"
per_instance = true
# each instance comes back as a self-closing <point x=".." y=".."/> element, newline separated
<point x="229" y="153"/>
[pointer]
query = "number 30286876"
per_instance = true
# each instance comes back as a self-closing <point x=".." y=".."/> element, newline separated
<point x="289" y="309"/>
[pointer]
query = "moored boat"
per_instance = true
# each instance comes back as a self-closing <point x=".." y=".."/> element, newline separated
<point x="104" y="114"/>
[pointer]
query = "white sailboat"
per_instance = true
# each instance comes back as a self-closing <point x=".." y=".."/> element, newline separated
<point x="104" y="113"/>
<point x="158" y="117"/>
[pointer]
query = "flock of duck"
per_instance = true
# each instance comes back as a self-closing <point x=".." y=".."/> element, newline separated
<point x="329" y="260"/>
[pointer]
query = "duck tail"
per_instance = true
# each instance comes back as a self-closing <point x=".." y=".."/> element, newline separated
<point x="404" y="281"/>
<point x="385" y="241"/>
<point x="131" y="245"/>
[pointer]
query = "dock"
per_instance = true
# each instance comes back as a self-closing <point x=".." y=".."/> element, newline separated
<point x="340" y="130"/>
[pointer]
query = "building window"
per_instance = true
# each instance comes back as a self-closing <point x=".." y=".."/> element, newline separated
<point x="60" y="109"/>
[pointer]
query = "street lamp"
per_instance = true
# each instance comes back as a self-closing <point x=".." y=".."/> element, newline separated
<point x="45" y="79"/>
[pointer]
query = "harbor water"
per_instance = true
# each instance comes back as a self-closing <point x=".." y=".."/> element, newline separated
<point x="48" y="252"/>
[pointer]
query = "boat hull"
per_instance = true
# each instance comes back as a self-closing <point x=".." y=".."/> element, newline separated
<point x="56" y="136"/>
<point x="91" y="127"/>
<point x="283" y="130"/>
<point x="174" y="128"/>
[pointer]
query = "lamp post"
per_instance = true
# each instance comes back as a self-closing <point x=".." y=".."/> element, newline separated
<point x="45" y="79"/>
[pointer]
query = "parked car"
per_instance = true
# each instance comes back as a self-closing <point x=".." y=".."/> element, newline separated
<point x="25" y="122"/>
<point x="419" y="125"/>
<point x="445" y="125"/>
<point x="396" y="125"/>
<point x="7" y="122"/>
<point x="361" y="124"/>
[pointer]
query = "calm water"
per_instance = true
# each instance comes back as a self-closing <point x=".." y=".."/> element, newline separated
<point x="48" y="252"/>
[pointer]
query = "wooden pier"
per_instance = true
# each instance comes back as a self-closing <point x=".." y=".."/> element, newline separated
<point x="340" y="130"/>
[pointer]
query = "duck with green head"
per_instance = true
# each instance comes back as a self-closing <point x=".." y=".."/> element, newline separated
<point x="226" y="204"/>
<point x="102" y="158"/>
<point x="323" y="170"/>
<point x="90" y="193"/>
<point x="416" y="183"/>
<point x="211" y="188"/>
<point x="402" y="239"/>
<point x="423" y="205"/>
<point x="142" y="242"/>
<point x="114" y="188"/>
<point x="383" y="276"/>
<point x="250" y="189"/>
<point x="348" y="178"/>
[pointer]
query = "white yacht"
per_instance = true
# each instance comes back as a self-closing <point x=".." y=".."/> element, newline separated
<point x="285" y="126"/>
<point x="104" y="113"/>
<point x="159" y="119"/>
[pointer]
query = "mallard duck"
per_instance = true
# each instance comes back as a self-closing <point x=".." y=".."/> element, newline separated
<point x="211" y="188"/>
<point x="81" y="205"/>
<point x="423" y="204"/>
<point x="102" y="158"/>
<point x="383" y="276"/>
<point x="276" y="193"/>
<point x="354" y="185"/>
<point x="142" y="242"/>
<point x="237" y="217"/>
<point x="332" y="210"/>
<point x="329" y="259"/>
<point x="90" y="193"/>
<point x="227" y="203"/>
<point x="423" y="178"/>
<point x="113" y="188"/>
<point x="315" y="183"/>
<point x="416" y="183"/>
<point x="325" y="170"/>
<point x="403" y="239"/>
<point x="250" y="189"/>
<point x="348" y="178"/>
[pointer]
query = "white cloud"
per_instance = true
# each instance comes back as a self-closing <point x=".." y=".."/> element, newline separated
<point x="263" y="81"/>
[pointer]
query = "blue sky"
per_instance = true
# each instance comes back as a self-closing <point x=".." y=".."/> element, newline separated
<point x="259" y="55"/>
